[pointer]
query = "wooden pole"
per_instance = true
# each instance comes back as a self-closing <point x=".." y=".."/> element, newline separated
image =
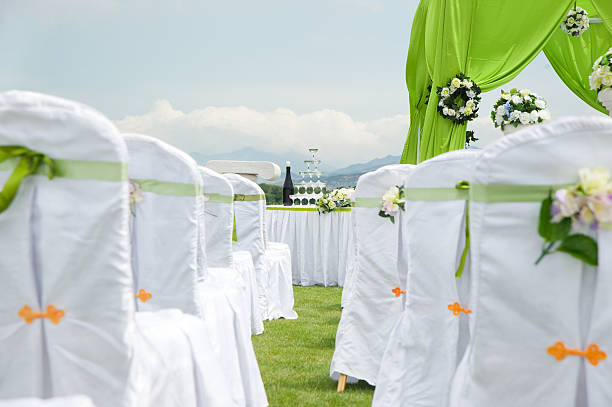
<point x="341" y="383"/>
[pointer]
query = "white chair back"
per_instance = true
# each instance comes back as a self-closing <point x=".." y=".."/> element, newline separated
<point x="65" y="244"/>
<point x="522" y="309"/>
<point x="165" y="235"/>
<point x="219" y="217"/>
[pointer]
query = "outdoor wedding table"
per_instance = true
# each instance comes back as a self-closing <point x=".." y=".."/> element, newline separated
<point x="322" y="245"/>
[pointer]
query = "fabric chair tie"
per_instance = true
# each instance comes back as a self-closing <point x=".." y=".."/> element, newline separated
<point x="397" y="291"/>
<point x="593" y="354"/>
<point x="143" y="295"/>
<point x="456" y="308"/>
<point x="28" y="164"/>
<point x="465" y="186"/>
<point x="53" y="314"/>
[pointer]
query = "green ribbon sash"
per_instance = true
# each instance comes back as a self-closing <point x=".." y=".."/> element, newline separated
<point x="249" y="198"/>
<point x="169" y="188"/>
<point x="219" y="198"/>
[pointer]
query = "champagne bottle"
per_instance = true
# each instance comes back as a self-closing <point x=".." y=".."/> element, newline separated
<point x="288" y="187"/>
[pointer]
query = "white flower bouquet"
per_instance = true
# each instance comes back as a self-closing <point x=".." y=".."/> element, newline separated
<point x="338" y="198"/>
<point x="392" y="202"/>
<point x="601" y="78"/>
<point x="576" y="22"/>
<point x="519" y="107"/>
<point x="459" y="99"/>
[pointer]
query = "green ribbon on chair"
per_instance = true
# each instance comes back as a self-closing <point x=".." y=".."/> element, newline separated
<point x="219" y="198"/>
<point x="234" y="234"/>
<point x="464" y="187"/>
<point x="249" y="198"/>
<point x="29" y="162"/>
<point x="169" y="188"/>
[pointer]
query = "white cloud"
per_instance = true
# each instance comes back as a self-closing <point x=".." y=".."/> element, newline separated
<point x="225" y="129"/>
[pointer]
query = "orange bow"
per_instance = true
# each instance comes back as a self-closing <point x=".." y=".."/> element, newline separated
<point x="456" y="308"/>
<point x="398" y="292"/>
<point x="143" y="295"/>
<point x="54" y="314"/>
<point x="592" y="353"/>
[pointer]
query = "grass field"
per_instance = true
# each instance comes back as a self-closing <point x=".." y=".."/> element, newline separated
<point x="294" y="356"/>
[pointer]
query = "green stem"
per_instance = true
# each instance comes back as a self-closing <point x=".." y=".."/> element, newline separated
<point x="545" y="251"/>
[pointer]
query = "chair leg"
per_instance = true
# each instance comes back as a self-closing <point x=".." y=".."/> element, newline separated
<point x="341" y="383"/>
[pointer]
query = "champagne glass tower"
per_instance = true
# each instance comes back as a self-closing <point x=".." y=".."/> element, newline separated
<point x="311" y="188"/>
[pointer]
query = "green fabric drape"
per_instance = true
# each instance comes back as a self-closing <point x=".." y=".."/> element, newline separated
<point x="488" y="40"/>
<point x="572" y="57"/>
<point x="603" y="9"/>
<point x="417" y="81"/>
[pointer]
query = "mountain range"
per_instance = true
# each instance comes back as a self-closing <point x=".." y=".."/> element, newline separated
<point x="333" y="177"/>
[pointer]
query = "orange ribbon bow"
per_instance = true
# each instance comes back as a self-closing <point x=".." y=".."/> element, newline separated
<point x="456" y="308"/>
<point x="398" y="292"/>
<point x="54" y="314"/>
<point x="143" y="295"/>
<point x="592" y="353"/>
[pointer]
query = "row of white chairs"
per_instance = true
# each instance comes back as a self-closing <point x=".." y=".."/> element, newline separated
<point x="112" y="286"/>
<point x="425" y="337"/>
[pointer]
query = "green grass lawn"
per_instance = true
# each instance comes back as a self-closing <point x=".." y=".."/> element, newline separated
<point x="294" y="356"/>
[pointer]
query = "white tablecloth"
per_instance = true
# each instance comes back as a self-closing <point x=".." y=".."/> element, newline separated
<point x="322" y="246"/>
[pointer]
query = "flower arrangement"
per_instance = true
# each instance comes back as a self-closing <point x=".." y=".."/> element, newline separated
<point x="519" y="107"/>
<point x="459" y="99"/>
<point x="136" y="195"/>
<point x="338" y="198"/>
<point x="392" y="202"/>
<point x="602" y="76"/>
<point x="576" y="22"/>
<point x="587" y="204"/>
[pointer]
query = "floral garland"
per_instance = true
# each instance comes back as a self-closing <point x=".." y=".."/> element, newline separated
<point x="338" y="198"/>
<point x="576" y="22"/>
<point x="459" y="99"/>
<point x="519" y="107"/>
<point x="136" y="195"/>
<point x="392" y="202"/>
<point x="602" y="76"/>
<point x="588" y="205"/>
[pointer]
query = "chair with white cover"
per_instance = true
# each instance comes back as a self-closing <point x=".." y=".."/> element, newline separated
<point x="429" y="337"/>
<point x="534" y="326"/>
<point x="168" y="249"/>
<point x="272" y="261"/>
<point x="72" y="401"/>
<point x="223" y="284"/>
<point x="219" y="220"/>
<point x="371" y="308"/>
<point x="68" y="324"/>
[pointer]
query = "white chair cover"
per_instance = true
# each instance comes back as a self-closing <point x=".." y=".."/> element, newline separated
<point x="74" y="401"/>
<point x="224" y="294"/>
<point x="352" y="264"/>
<point x="272" y="267"/>
<point x="372" y="309"/>
<point x="65" y="243"/>
<point x="421" y="352"/>
<point x="520" y="309"/>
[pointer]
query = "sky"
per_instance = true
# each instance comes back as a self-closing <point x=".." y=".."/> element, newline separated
<point x="216" y="76"/>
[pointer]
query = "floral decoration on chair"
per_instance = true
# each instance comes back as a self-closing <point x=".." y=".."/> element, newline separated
<point x="392" y="202"/>
<point x="338" y="198"/>
<point x="459" y="99"/>
<point x="586" y="205"/>
<point x="519" y="107"/>
<point x="136" y="195"/>
<point x="576" y="22"/>
<point x="601" y="77"/>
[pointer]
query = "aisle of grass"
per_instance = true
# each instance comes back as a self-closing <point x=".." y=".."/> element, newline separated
<point x="294" y="356"/>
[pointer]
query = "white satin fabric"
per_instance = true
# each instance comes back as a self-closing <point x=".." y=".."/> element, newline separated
<point x="371" y="309"/>
<point x="272" y="262"/>
<point x="521" y="309"/>
<point x="65" y="242"/>
<point x="321" y="246"/>
<point x="73" y="401"/>
<point x="427" y="339"/>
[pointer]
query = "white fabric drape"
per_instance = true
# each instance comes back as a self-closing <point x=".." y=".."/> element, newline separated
<point x="73" y="401"/>
<point x="322" y="247"/>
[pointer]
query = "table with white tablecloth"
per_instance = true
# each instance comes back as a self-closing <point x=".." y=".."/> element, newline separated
<point x="322" y="245"/>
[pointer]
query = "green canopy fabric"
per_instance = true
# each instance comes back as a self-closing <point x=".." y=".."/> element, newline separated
<point x="488" y="40"/>
<point x="604" y="11"/>
<point x="573" y="57"/>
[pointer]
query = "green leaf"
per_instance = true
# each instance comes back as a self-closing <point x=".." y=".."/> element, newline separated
<point x="549" y="230"/>
<point x="580" y="246"/>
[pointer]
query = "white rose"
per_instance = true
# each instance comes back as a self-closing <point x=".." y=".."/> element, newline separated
<point x="524" y="117"/>
<point x="500" y="110"/>
<point x="527" y="98"/>
<point x="524" y="92"/>
<point x="595" y="80"/>
<point x="516" y="99"/>
<point x="594" y="180"/>
<point x="540" y="104"/>
<point x="514" y="115"/>
<point x="499" y="120"/>
<point x="506" y="96"/>
<point x="451" y="112"/>
<point x="607" y="79"/>
<point x="468" y="84"/>
<point x="471" y="94"/>
<point x="444" y="92"/>
<point x="468" y="111"/>
<point x="445" y="111"/>
<point x="544" y="114"/>
<point x="533" y="116"/>
<point x="571" y="21"/>
<point x="470" y="104"/>
<point x="456" y="82"/>
<point x="441" y="103"/>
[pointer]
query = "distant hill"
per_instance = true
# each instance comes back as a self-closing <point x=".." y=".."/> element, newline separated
<point x="348" y="176"/>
